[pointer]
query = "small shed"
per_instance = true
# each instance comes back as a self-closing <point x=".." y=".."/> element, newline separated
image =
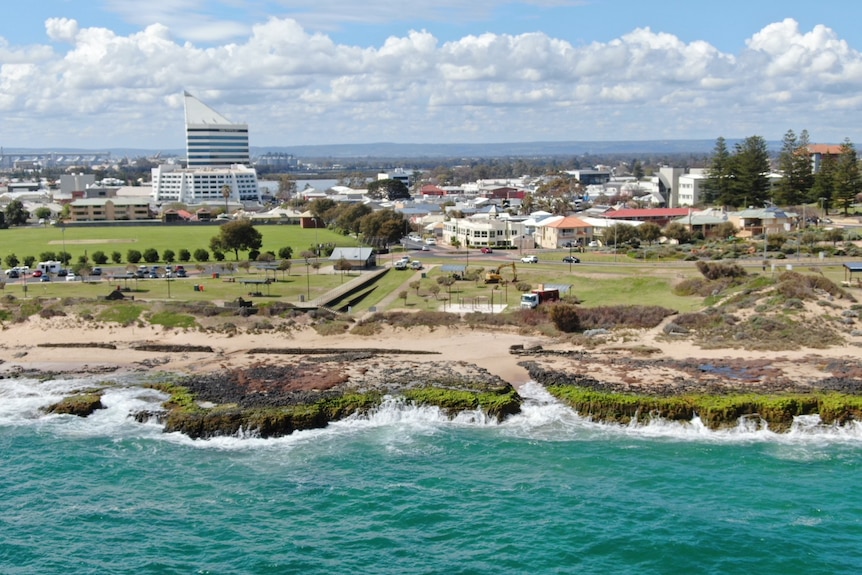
<point x="457" y="271"/>
<point x="356" y="257"/>
<point x="851" y="268"/>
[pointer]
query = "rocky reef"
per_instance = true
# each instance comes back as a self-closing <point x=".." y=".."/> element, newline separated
<point x="720" y="395"/>
<point x="271" y="399"/>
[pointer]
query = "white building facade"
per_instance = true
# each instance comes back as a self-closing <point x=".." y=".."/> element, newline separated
<point x="218" y="161"/>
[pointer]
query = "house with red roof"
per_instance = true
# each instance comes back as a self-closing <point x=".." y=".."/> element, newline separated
<point x="659" y="216"/>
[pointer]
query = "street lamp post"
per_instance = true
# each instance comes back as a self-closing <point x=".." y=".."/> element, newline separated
<point x="63" y="257"/>
<point x="307" y="284"/>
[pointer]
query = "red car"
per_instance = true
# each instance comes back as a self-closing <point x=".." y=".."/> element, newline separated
<point x="37" y="273"/>
<point x="487" y="250"/>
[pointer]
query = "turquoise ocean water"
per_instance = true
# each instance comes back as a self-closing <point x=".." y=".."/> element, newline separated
<point x="408" y="491"/>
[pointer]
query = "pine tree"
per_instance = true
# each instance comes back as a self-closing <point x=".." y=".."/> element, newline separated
<point x="795" y="165"/>
<point x="750" y="169"/>
<point x="718" y="184"/>
<point x="823" y="189"/>
<point x="847" y="181"/>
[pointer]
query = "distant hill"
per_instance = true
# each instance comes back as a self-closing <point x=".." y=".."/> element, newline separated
<point x="395" y="150"/>
<point x="512" y="149"/>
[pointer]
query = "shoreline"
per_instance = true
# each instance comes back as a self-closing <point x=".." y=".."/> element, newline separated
<point x="642" y="363"/>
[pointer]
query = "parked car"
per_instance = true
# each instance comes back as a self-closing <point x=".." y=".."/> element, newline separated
<point x="571" y="260"/>
<point x="62" y="273"/>
<point x="70" y="277"/>
<point x="13" y="274"/>
<point x="487" y="250"/>
<point x="97" y="271"/>
<point x="400" y="265"/>
<point x="530" y="259"/>
<point x="416" y="265"/>
<point x="44" y="278"/>
<point x="594" y="244"/>
<point x="181" y="273"/>
<point x="37" y="273"/>
<point x="431" y="242"/>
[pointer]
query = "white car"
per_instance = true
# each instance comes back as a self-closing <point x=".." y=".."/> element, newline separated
<point x="70" y="277"/>
<point x="431" y="242"/>
<point x="530" y="260"/>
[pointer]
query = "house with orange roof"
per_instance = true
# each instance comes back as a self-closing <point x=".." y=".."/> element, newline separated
<point x="820" y="151"/>
<point x="569" y="231"/>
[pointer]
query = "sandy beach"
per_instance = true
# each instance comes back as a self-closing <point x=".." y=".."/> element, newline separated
<point x="37" y="344"/>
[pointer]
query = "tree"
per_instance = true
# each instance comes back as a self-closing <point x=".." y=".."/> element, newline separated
<point x="11" y="260"/>
<point x="795" y="165"/>
<point x="649" y="232"/>
<point x="15" y="213"/>
<point x="237" y="236"/>
<point x="847" y="179"/>
<point x="619" y="234"/>
<point x="677" y="231"/>
<point x="151" y="255"/>
<point x="350" y="219"/>
<point x="169" y="256"/>
<point x="284" y="267"/>
<point x="133" y="256"/>
<point x="324" y="209"/>
<point x="388" y="190"/>
<point x="285" y="253"/>
<point x="100" y="258"/>
<point x="225" y="192"/>
<point x="403" y="295"/>
<point x="750" y="169"/>
<point x="823" y="189"/>
<point x="286" y="188"/>
<point x="388" y="225"/>
<point x="116" y="257"/>
<point x="717" y="187"/>
<point x="184" y="255"/>
<point x="43" y="213"/>
<point x="201" y="255"/>
<point x="415" y="285"/>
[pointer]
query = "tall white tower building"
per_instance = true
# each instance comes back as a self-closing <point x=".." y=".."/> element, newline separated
<point x="212" y="139"/>
<point x="218" y="162"/>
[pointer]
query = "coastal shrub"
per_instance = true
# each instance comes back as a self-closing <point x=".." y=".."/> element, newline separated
<point x="121" y="313"/>
<point x="623" y="316"/>
<point x="328" y="327"/>
<point x="714" y="271"/>
<point x="565" y="317"/>
<point x="170" y="319"/>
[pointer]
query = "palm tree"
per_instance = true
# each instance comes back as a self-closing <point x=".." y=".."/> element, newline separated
<point x="225" y="192"/>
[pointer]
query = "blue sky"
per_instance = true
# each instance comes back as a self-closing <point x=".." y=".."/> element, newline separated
<point x="109" y="73"/>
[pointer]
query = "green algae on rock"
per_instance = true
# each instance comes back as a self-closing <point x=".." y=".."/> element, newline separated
<point x="715" y="411"/>
<point x="81" y="404"/>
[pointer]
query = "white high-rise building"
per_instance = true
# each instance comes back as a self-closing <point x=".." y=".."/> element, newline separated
<point x="218" y="162"/>
<point x="212" y="139"/>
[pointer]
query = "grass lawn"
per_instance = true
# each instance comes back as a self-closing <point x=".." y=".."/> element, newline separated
<point x="79" y="241"/>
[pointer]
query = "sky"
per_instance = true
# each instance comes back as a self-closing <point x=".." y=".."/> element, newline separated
<point x="103" y="74"/>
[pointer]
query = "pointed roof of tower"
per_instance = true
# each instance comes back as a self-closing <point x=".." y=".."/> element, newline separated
<point x="199" y="113"/>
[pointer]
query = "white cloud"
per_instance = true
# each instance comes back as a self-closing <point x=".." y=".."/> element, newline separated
<point x="296" y="87"/>
<point x="61" y="29"/>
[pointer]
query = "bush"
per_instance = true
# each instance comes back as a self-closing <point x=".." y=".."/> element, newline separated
<point x="201" y="255"/>
<point x="714" y="271"/>
<point x="565" y="317"/>
<point x="100" y="258"/>
<point x="151" y="255"/>
<point x="184" y="255"/>
<point x="133" y="256"/>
